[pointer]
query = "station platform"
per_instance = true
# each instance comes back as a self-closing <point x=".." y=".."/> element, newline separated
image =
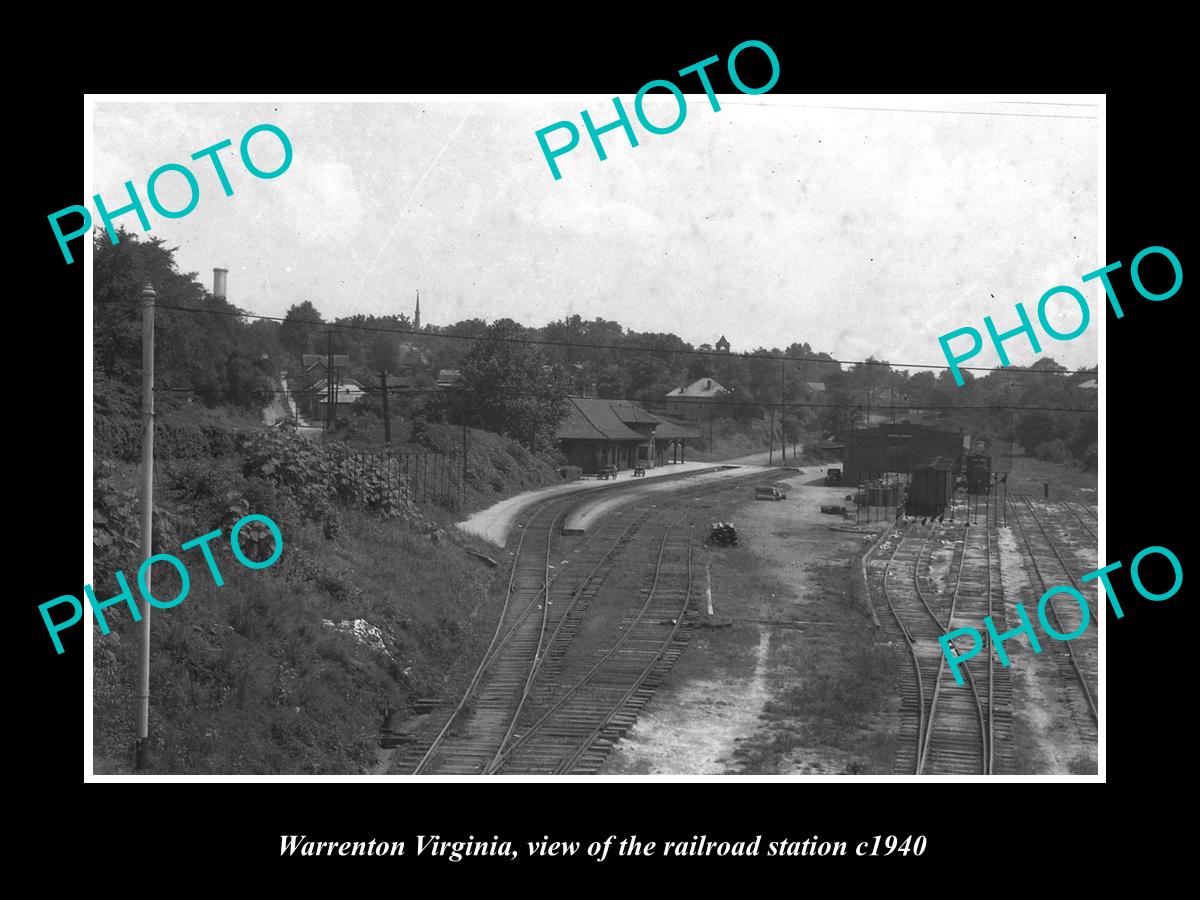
<point x="494" y="523"/>
<point x="582" y="517"/>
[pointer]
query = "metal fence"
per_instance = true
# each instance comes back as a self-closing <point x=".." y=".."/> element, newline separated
<point x="431" y="477"/>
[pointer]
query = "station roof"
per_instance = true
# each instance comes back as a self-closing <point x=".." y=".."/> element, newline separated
<point x="593" y="419"/>
<point x="590" y="418"/>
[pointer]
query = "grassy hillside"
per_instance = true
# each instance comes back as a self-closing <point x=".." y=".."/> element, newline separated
<point x="374" y="603"/>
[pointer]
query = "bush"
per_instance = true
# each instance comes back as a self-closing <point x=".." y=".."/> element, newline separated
<point x="116" y="532"/>
<point x="122" y="439"/>
<point x="316" y="476"/>
<point x="1054" y="451"/>
<point x="1090" y="459"/>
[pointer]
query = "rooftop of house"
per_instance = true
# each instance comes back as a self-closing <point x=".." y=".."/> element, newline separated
<point x="702" y="387"/>
<point x="311" y="360"/>
<point x="346" y="387"/>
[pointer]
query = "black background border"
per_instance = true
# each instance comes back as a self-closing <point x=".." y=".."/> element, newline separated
<point x="1147" y="394"/>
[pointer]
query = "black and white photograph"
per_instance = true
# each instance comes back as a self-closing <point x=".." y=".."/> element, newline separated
<point x="529" y="436"/>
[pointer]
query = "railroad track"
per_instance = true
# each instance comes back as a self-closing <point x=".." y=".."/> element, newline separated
<point x="529" y="628"/>
<point x="543" y="607"/>
<point x="1081" y="520"/>
<point x="580" y="714"/>
<point x="1077" y="658"/>
<point x="954" y="711"/>
<point x="948" y="729"/>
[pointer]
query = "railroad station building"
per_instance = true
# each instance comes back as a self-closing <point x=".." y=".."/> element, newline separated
<point x="597" y="433"/>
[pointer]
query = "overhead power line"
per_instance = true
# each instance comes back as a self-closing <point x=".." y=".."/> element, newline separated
<point x="620" y="349"/>
<point x="798" y="404"/>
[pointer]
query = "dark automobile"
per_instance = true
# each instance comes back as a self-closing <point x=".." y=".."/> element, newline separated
<point x="833" y="476"/>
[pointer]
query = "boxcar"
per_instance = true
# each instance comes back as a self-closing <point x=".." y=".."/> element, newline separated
<point x="931" y="487"/>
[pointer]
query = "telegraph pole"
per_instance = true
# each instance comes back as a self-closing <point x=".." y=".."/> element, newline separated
<point x="387" y="425"/>
<point x="328" y="377"/>
<point x="141" y="747"/>
<point x="783" y="412"/>
<point x="333" y="395"/>
<point x="894" y="396"/>
<point x="771" y="439"/>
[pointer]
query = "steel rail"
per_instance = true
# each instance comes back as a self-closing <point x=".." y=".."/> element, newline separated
<point x="573" y="760"/>
<point x="1087" y="693"/>
<point x="475" y="679"/>
<point x="1053" y="549"/>
<point x="984" y="725"/>
<point x="539" y="653"/>
<point x="912" y="647"/>
<point x="506" y="752"/>
<point x="1075" y="513"/>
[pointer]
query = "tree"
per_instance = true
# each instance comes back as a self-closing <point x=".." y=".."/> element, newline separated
<point x="202" y="343"/>
<point x="610" y="380"/>
<point x="509" y="388"/>
<point x="298" y="327"/>
<point x="1036" y="428"/>
<point x="1086" y="435"/>
<point x="382" y="351"/>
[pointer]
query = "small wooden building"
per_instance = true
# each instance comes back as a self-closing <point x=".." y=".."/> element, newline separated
<point x="596" y="433"/>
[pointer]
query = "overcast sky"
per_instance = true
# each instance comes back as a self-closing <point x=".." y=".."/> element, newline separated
<point x="863" y="232"/>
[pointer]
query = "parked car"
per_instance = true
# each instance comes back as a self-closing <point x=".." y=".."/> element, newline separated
<point x="833" y="476"/>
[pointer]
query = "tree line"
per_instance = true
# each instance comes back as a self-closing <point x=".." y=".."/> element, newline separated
<point x="517" y="388"/>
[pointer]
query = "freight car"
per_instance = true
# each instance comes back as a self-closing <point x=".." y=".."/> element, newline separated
<point x="931" y="488"/>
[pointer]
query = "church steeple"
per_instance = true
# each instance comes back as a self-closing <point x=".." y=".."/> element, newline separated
<point x="417" y="314"/>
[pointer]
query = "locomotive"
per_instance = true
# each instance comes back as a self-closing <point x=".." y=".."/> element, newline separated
<point x="977" y="466"/>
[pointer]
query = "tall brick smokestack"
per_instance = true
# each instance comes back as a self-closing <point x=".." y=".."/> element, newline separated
<point x="219" y="276"/>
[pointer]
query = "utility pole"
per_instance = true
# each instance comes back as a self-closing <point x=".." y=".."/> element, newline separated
<point x="387" y="425"/>
<point x="463" y="486"/>
<point x="333" y="396"/>
<point x="782" y="411"/>
<point x="141" y="747"/>
<point x="771" y="438"/>
<point x="328" y="377"/>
